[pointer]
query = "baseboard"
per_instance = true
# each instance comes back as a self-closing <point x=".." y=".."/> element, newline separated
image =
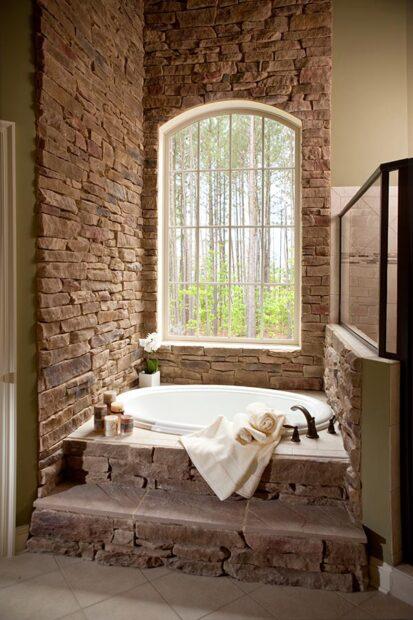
<point x="402" y="583"/>
<point x="394" y="580"/>
<point x="22" y="534"/>
<point x="380" y="575"/>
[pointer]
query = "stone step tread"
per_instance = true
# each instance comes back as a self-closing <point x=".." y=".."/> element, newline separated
<point x="264" y="517"/>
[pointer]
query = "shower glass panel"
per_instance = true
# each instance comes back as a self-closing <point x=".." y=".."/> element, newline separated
<point x="392" y="256"/>
<point x="360" y="266"/>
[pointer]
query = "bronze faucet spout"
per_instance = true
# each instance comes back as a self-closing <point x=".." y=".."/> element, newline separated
<point x="311" y="427"/>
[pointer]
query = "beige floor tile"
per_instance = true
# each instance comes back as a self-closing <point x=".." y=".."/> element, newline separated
<point x="387" y="607"/>
<point x="154" y="573"/>
<point x="247" y="586"/>
<point x="244" y="608"/>
<point x="46" y="597"/>
<point x="357" y="614"/>
<point x="141" y="603"/>
<point x="92" y="582"/>
<point x="300" y="603"/>
<point x="67" y="560"/>
<point x="356" y="598"/>
<point x="24" y="566"/>
<point x="192" y="596"/>
<point x="78" y="615"/>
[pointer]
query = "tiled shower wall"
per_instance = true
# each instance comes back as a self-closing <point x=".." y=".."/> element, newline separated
<point x="272" y="51"/>
<point x="89" y="179"/>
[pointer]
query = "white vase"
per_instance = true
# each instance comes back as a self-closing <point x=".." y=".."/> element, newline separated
<point x="146" y="380"/>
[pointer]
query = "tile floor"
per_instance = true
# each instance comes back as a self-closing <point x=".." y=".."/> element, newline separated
<point x="46" y="587"/>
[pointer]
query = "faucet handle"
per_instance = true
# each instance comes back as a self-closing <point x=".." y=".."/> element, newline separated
<point x="295" y="437"/>
<point x="331" y="428"/>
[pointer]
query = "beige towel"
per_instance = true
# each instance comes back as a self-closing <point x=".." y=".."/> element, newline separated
<point x="226" y="464"/>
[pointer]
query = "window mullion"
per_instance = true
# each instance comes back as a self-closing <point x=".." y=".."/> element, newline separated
<point x="197" y="240"/>
<point x="229" y="228"/>
<point x="262" y="229"/>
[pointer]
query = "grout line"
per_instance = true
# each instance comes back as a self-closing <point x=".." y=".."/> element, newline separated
<point x="19" y="581"/>
<point x="341" y="595"/>
<point x="164" y="599"/>
<point x="258" y="602"/>
<point x="68" y="585"/>
<point x="213" y="611"/>
<point x="108" y="598"/>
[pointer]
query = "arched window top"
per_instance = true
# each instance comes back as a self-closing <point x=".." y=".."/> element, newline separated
<point x="230" y="106"/>
<point x="229" y="194"/>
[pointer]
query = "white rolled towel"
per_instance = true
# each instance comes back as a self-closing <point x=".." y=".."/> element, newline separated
<point x="262" y="417"/>
<point x="245" y="432"/>
<point x="258" y="424"/>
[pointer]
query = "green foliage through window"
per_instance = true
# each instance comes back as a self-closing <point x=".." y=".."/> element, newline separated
<point x="231" y="252"/>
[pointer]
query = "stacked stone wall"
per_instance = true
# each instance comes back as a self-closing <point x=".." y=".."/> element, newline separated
<point x="276" y="52"/>
<point x="295" y="481"/>
<point x="342" y="379"/>
<point x="89" y="84"/>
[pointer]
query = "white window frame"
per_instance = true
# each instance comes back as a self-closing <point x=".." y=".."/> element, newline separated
<point x="166" y="131"/>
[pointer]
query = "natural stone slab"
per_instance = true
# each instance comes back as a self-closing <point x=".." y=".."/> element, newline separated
<point x="70" y="526"/>
<point x="194" y="567"/>
<point x="168" y="535"/>
<point x="192" y="510"/>
<point x="203" y="554"/>
<point x="116" y="555"/>
<point x="279" y="519"/>
<point x="296" y="561"/>
<point x="109" y="499"/>
<point x="309" y="471"/>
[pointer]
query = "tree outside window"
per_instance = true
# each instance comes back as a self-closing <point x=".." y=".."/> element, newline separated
<point x="230" y="229"/>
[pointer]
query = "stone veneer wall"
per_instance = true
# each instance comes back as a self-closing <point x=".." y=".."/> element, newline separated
<point x="272" y="51"/>
<point x="89" y="179"/>
<point x="342" y="384"/>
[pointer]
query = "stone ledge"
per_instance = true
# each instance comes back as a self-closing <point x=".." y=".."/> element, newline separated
<point x="251" y="540"/>
<point x="257" y="519"/>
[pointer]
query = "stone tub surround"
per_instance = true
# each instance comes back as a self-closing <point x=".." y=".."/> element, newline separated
<point x="312" y="472"/>
<point x="89" y="124"/>
<point x="276" y="52"/>
<point x="253" y="540"/>
<point x="342" y="379"/>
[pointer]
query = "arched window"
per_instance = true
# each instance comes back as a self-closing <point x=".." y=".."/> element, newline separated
<point x="229" y="268"/>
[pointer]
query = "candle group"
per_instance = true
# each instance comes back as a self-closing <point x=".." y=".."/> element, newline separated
<point x="110" y="418"/>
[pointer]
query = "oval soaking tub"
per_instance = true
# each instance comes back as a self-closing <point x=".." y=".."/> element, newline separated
<point x="181" y="409"/>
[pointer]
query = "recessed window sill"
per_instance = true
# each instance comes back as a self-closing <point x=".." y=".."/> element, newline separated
<point x="277" y="348"/>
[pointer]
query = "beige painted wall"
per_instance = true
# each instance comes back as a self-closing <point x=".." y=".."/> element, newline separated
<point x="410" y="75"/>
<point x="16" y="97"/>
<point x="369" y="98"/>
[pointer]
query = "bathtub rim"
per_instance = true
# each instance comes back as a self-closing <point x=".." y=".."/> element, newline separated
<point x="174" y="428"/>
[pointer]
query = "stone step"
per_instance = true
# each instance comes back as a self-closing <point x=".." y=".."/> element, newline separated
<point x="251" y="540"/>
<point x="310" y="480"/>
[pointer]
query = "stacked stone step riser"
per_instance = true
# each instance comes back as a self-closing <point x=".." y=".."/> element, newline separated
<point x="287" y="479"/>
<point x="314" y="563"/>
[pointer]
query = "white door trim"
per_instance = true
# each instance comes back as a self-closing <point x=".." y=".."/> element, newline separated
<point x="7" y="339"/>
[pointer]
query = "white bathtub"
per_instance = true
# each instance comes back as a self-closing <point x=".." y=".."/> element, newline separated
<point x="181" y="409"/>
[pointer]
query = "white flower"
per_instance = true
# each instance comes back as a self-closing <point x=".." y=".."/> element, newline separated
<point x="151" y="343"/>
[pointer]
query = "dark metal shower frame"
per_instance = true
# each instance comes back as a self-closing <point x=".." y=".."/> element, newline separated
<point x="404" y="346"/>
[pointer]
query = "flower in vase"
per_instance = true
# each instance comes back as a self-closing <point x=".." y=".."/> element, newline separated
<point x="150" y="344"/>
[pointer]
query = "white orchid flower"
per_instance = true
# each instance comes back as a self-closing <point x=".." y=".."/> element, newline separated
<point x="151" y="343"/>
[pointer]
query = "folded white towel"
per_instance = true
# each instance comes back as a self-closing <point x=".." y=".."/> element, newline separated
<point x="226" y="464"/>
